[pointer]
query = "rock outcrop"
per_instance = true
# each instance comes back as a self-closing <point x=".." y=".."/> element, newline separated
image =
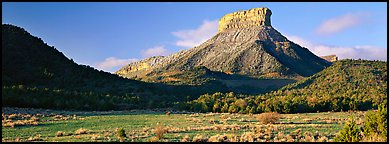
<point x="330" y="58"/>
<point x="250" y="18"/>
<point x="246" y="44"/>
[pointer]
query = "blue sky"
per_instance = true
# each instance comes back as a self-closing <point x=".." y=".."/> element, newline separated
<point x="108" y="36"/>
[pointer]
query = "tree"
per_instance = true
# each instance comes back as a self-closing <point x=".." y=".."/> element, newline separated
<point x="232" y="109"/>
<point x="241" y="103"/>
<point x="216" y="107"/>
<point x="224" y="108"/>
<point x="349" y="133"/>
<point x="376" y="122"/>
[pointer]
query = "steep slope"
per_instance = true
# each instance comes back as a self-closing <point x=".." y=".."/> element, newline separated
<point x="37" y="75"/>
<point x="27" y="60"/>
<point x="246" y="44"/>
<point x="346" y="85"/>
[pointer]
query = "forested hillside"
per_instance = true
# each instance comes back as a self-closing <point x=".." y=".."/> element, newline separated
<point x="346" y="85"/>
<point x="37" y="75"/>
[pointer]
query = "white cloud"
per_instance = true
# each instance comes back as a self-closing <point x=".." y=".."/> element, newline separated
<point x="155" y="51"/>
<point x="112" y="64"/>
<point x="340" y="23"/>
<point x="194" y="37"/>
<point x="353" y="52"/>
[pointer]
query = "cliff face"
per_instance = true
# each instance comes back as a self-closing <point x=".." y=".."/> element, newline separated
<point x="250" y="18"/>
<point x="246" y="44"/>
<point x="330" y="58"/>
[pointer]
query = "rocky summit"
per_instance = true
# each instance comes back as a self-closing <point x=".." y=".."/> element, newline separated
<point x="246" y="45"/>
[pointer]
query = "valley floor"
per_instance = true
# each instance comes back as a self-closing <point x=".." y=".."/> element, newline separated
<point x="20" y="124"/>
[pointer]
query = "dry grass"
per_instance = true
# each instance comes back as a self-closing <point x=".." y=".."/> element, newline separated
<point x="374" y="138"/>
<point x="252" y="128"/>
<point x="12" y="116"/>
<point x="200" y="138"/>
<point x="35" y="138"/>
<point x="186" y="138"/>
<point x="244" y="120"/>
<point x="213" y="121"/>
<point x="10" y="123"/>
<point x="154" y="139"/>
<point x="81" y="131"/>
<point x="196" y="120"/>
<point x="247" y="137"/>
<point x="307" y="120"/>
<point x="223" y="138"/>
<point x="96" y="137"/>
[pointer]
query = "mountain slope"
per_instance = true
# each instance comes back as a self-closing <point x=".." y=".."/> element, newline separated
<point x="37" y="75"/>
<point x="27" y="60"/>
<point x="345" y="85"/>
<point x="246" y="44"/>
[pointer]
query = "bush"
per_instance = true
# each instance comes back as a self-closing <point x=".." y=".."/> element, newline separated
<point x="59" y="134"/>
<point x="376" y="124"/>
<point x="349" y="133"/>
<point x="159" y="131"/>
<point x="121" y="133"/>
<point x="269" y="117"/>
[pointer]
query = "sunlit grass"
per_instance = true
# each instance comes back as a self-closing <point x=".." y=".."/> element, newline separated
<point x="178" y="127"/>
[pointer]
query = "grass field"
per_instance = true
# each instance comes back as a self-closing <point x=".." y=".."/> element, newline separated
<point x="75" y="126"/>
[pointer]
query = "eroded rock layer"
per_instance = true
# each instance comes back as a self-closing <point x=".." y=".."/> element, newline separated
<point x="250" y="18"/>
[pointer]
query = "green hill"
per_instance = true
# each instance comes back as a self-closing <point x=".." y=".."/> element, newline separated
<point x="346" y="85"/>
<point x="37" y="75"/>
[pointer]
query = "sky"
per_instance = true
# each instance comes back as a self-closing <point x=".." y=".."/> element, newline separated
<point x="108" y="36"/>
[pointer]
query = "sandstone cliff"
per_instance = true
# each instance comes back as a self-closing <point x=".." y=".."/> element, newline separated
<point x="330" y="58"/>
<point x="250" y="18"/>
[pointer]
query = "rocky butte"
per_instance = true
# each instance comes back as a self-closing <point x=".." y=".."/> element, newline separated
<point x="250" y="18"/>
<point x="246" y="44"/>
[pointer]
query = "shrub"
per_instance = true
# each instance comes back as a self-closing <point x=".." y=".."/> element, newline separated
<point x="59" y="134"/>
<point x="221" y="138"/>
<point x="121" y="133"/>
<point x="186" y="138"/>
<point x="247" y="137"/>
<point x="200" y="138"/>
<point x="35" y="138"/>
<point x="217" y="138"/>
<point x="81" y="131"/>
<point x="269" y="117"/>
<point x="12" y="116"/>
<point x="349" y="133"/>
<point x="375" y="126"/>
<point x="213" y="121"/>
<point x="159" y="131"/>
